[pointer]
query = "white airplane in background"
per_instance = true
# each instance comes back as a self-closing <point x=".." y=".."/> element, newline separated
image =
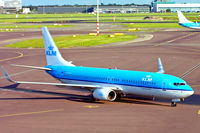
<point x="183" y="21"/>
<point x="109" y="84"/>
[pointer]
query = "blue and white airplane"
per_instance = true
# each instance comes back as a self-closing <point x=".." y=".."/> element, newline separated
<point x="109" y="84"/>
<point x="183" y="21"/>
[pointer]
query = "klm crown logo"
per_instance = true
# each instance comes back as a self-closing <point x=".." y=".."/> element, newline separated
<point x="50" y="51"/>
<point x="50" y="47"/>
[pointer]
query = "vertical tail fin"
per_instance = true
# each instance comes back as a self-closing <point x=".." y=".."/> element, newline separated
<point x="182" y="18"/>
<point x="52" y="53"/>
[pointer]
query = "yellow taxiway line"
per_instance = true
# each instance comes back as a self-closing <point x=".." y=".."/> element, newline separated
<point x="91" y="107"/>
<point x="199" y="112"/>
<point x="20" y="55"/>
<point x="31" y="113"/>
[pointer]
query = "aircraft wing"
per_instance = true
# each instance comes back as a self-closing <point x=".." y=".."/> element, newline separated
<point x="44" y="83"/>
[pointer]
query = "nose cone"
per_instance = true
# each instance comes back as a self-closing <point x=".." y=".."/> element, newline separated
<point x="189" y="91"/>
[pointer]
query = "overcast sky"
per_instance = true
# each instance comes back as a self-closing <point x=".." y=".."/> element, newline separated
<point x="93" y="2"/>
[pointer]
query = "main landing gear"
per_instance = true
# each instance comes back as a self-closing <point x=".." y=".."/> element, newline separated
<point x="173" y="104"/>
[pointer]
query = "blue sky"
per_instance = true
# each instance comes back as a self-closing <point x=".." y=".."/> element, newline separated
<point x="92" y="2"/>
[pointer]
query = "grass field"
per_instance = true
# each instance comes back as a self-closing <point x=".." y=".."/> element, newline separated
<point x="153" y="25"/>
<point x="69" y="41"/>
<point x="133" y="17"/>
<point x="25" y="26"/>
<point x="4" y="16"/>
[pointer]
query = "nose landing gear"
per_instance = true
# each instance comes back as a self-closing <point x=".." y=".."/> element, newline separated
<point x="174" y="102"/>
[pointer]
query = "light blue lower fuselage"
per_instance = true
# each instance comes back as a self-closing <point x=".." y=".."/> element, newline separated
<point x="129" y="82"/>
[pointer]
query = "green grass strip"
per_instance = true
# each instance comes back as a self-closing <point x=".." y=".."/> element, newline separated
<point x="132" y="17"/>
<point x="25" y="26"/>
<point x="153" y="25"/>
<point x="29" y="16"/>
<point x="78" y="41"/>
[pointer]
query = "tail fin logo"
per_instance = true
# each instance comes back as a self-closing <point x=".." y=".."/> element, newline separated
<point x="50" y="51"/>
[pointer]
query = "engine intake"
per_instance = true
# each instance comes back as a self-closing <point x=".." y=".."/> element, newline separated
<point x="105" y="93"/>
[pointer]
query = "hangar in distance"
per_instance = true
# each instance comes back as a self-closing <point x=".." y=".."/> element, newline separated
<point x="109" y="84"/>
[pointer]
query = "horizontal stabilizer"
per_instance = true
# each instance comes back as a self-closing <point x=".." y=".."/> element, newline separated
<point x="33" y="67"/>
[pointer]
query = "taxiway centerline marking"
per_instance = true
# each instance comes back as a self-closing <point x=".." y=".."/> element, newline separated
<point x="187" y="48"/>
<point x="20" y="55"/>
<point x="195" y="85"/>
<point x="199" y="112"/>
<point x="190" y="70"/>
<point x="31" y="113"/>
<point x="173" y="40"/>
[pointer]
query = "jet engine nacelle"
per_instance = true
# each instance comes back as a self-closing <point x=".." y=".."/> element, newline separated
<point x="105" y="93"/>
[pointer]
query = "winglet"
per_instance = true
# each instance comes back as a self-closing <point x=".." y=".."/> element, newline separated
<point x="6" y="75"/>
<point x="161" y="69"/>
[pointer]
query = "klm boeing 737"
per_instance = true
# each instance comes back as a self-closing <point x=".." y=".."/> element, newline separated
<point x="109" y="84"/>
<point x="183" y="21"/>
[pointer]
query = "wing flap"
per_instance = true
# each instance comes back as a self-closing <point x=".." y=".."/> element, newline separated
<point x="57" y="84"/>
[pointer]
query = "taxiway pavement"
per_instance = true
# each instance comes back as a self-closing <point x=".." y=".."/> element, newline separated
<point x="37" y="108"/>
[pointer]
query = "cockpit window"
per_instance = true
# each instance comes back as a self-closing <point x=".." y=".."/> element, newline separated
<point x="179" y="84"/>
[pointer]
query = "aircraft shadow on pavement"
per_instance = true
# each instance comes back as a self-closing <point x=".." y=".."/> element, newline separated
<point x="192" y="100"/>
<point x="191" y="31"/>
<point x="135" y="99"/>
<point x="67" y="96"/>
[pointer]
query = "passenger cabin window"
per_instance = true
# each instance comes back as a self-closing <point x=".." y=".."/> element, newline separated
<point x="179" y="84"/>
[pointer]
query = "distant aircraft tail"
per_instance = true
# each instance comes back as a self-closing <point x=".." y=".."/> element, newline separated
<point x="182" y="18"/>
<point x="53" y="55"/>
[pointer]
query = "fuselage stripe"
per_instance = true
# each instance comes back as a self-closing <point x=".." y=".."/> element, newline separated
<point x="122" y="84"/>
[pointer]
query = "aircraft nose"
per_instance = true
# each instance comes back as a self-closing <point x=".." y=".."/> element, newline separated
<point x="191" y="92"/>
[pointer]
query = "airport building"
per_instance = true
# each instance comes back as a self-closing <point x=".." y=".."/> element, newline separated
<point x="87" y="9"/>
<point x="10" y="6"/>
<point x="13" y="4"/>
<point x="124" y="9"/>
<point x="163" y="5"/>
<point x="1" y="3"/>
<point x="64" y="9"/>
